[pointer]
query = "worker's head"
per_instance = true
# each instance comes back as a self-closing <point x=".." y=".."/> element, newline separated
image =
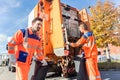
<point x="36" y="24"/>
<point x="83" y="27"/>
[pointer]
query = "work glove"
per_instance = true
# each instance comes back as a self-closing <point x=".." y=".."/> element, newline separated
<point x="67" y="43"/>
<point x="80" y="55"/>
<point x="44" y="62"/>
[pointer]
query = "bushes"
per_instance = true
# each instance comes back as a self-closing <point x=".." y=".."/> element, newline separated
<point x="108" y="65"/>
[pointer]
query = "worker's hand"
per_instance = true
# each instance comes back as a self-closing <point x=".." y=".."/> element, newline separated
<point x="44" y="62"/>
<point x="67" y="43"/>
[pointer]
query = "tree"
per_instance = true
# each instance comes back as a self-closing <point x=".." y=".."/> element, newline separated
<point x="105" y="23"/>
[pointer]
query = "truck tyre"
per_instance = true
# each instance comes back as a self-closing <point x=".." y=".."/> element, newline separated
<point x="13" y="69"/>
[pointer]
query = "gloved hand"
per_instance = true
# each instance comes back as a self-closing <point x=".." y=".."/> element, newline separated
<point x="44" y="62"/>
<point x="80" y="55"/>
<point x="67" y="43"/>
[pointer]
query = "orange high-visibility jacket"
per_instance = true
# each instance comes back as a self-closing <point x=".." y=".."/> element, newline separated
<point x="24" y="45"/>
<point x="88" y="42"/>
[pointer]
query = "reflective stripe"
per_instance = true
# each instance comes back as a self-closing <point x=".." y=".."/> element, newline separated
<point x="78" y="42"/>
<point x="92" y="78"/>
<point x="26" y="36"/>
<point x="38" y="48"/>
<point x="89" y="44"/>
<point x="25" y="42"/>
<point x="10" y="48"/>
<point x="39" y="54"/>
<point x="26" y="45"/>
<point x="26" y="39"/>
<point x="30" y="46"/>
<point x="98" y="77"/>
<point x="12" y="42"/>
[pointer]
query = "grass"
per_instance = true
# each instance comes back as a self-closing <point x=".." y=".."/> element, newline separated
<point x="109" y="65"/>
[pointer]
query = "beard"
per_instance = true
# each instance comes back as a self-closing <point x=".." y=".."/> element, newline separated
<point x="38" y="29"/>
<point x="35" y="30"/>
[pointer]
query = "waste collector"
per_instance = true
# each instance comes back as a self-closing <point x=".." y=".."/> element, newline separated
<point x="90" y="51"/>
<point x="25" y="44"/>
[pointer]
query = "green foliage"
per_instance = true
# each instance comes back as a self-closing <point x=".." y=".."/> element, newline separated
<point x="104" y="23"/>
<point x="109" y="65"/>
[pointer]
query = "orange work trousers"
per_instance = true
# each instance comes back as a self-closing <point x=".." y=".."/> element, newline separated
<point x="22" y="71"/>
<point x="92" y="68"/>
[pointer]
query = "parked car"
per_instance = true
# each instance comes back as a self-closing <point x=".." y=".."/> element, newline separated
<point x="0" y="62"/>
<point x="11" y="65"/>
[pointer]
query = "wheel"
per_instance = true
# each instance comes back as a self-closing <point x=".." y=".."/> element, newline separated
<point x="9" y="68"/>
<point x="13" y="69"/>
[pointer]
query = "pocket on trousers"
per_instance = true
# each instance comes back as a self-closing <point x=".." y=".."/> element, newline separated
<point x="22" y="56"/>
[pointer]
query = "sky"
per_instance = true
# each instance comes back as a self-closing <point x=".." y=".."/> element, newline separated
<point x="14" y="15"/>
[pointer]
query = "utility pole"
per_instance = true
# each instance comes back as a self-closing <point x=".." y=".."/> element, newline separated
<point x="107" y="50"/>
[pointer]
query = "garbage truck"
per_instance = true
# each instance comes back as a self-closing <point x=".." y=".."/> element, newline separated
<point x="60" y="24"/>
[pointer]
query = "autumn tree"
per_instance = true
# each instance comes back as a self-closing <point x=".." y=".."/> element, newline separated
<point x="105" y="23"/>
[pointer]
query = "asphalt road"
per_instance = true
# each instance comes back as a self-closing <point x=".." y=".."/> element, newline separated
<point x="5" y="74"/>
<point x="106" y="75"/>
<point x="110" y="75"/>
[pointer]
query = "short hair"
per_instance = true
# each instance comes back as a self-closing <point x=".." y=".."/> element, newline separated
<point x="85" y="26"/>
<point x="37" y="19"/>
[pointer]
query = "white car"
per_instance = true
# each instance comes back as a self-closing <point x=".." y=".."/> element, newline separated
<point x="12" y="61"/>
<point x="1" y="62"/>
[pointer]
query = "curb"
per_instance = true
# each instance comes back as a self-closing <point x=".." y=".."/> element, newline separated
<point x="109" y="69"/>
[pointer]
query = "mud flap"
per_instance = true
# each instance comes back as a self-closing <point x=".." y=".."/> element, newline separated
<point x="80" y="68"/>
<point x="39" y="71"/>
